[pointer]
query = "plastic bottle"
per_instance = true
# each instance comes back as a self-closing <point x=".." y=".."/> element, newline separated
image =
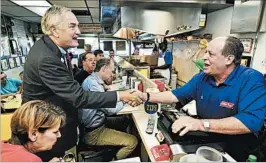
<point x="252" y="158"/>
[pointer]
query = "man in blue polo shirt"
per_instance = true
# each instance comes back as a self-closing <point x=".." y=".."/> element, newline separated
<point x="165" y="62"/>
<point x="9" y="85"/>
<point x="230" y="98"/>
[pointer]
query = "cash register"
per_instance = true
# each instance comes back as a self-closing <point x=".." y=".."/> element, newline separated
<point x="192" y="140"/>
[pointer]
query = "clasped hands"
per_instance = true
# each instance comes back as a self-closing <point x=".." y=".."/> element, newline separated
<point x="131" y="97"/>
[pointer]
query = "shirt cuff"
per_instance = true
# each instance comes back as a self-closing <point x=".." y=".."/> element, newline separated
<point x="117" y="96"/>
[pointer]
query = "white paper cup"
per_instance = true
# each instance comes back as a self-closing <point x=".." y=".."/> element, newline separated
<point x="192" y="158"/>
<point x="209" y="154"/>
<point x="124" y="80"/>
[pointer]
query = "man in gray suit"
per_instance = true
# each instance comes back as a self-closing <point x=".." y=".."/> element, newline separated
<point x="48" y="76"/>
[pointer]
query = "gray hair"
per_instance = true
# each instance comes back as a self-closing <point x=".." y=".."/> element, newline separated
<point x="53" y="17"/>
<point x="233" y="46"/>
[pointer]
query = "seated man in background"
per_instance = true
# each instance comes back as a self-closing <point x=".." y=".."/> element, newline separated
<point x="35" y="127"/>
<point x="94" y="119"/>
<point x="88" y="63"/>
<point x="87" y="48"/>
<point x="9" y="86"/>
<point x="111" y="53"/>
<point x="230" y="98"/>
<point x="98" y="54"/>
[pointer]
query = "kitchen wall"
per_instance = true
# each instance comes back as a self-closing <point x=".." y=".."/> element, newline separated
<point x="219" y="24"/>
<point x="94" y="43"/>
<point x="23" y="37"/>
<point x="184" y="53"/>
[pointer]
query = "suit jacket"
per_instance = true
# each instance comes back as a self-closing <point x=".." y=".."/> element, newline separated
<point x="46" y="77"/>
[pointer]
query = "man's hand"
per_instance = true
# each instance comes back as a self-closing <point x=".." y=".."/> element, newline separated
<point x="141" y="95"/>
<point x="130" y="97"/>
<point x="186" y="124"/>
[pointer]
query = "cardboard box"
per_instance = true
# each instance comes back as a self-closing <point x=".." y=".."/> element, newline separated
<point x="151" y="60"/>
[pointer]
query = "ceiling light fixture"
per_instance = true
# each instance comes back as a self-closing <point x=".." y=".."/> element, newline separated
<point x="39" y="7"/>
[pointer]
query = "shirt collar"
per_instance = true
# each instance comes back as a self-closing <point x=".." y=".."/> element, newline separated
<point x="97" y="77"/>
<point x="232" y="76"/>
<point x="229" y="80"/>
<point x="62" y="51"/>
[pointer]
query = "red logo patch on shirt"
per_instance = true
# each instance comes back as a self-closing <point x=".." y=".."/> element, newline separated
<point x="227" y="105"/>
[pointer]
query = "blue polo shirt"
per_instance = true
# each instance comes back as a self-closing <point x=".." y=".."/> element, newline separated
<point x="242" y="95"/>
<point x="168" y="57"/>
<point x="12" y="86"/>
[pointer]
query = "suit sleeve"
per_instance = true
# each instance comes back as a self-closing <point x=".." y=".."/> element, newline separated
<point x="55" y="75"/>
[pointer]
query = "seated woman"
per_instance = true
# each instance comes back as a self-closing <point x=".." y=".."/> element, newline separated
<point x="35" y="128"/>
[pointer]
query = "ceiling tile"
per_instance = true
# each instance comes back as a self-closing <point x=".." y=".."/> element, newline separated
<point x="94" y="12"/>
<point x="87" y="19"/>
<point x="74" y="3"/>
<point x="7" y="3"/>
<point x="93" y="3"/>
<point x="96" y="20"/>
<point x="34" y="19"/>
<point x="17" y="11"/>
<point x="84" y="19"/>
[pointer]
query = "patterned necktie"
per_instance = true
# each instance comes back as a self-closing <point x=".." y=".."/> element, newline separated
<point x="68" y="62"/>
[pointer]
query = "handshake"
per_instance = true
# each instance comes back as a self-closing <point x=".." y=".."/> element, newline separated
<point x="133" y="97"/>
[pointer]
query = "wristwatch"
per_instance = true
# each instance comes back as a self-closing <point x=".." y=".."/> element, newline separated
<point x="206" y="124"/>
<point x="148" y="97"/>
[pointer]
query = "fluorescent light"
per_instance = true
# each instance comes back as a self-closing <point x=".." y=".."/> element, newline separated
<point x="38" y="10"/>
<point x="39" y="7"/>
<point x="40" y="3"/>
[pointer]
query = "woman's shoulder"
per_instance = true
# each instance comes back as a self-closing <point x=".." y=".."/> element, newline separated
<point x="17" y="153"/>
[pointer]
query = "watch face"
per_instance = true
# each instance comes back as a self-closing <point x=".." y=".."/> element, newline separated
<point x="150" y="107"/>
<point x="206" y="124"/>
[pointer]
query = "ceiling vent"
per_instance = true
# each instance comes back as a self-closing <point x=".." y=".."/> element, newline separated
<point x="81" y="12"/>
